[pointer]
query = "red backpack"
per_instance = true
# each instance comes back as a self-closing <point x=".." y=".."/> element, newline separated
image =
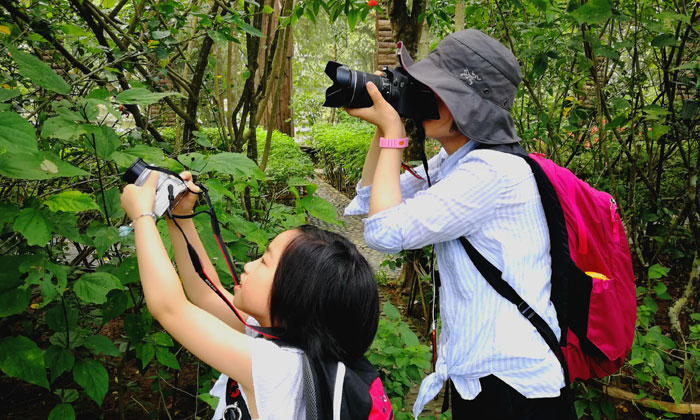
<point x="592" y="280"/>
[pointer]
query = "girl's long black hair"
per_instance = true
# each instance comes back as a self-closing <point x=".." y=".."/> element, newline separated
<point x="324" y="296"/>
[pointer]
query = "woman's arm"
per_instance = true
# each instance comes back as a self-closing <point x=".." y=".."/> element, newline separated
<point x="386" y="187"/>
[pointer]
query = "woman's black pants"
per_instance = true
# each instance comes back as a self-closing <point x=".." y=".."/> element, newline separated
<point x="498" y="401"/>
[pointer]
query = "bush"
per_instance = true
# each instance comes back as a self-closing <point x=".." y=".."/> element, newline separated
<point x="342" y="149"/>
<point x="286" y="159"/>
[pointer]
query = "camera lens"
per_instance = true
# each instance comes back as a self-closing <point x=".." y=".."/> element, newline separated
<point x="131" y="175"/>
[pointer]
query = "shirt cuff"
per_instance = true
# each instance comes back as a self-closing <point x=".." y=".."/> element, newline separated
<point x="384" y="230"/>
<point x="360" y="204"/>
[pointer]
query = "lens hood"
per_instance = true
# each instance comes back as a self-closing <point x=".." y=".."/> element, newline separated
<point x="131" y="175"/>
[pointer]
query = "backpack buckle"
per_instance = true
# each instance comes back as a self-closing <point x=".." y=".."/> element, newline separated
<point x="526" y="310"/>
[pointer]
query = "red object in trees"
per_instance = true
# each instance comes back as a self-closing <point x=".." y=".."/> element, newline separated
<point x="372" y="3"/>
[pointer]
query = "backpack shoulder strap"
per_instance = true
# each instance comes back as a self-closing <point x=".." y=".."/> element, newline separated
<point x="494" y="277"/>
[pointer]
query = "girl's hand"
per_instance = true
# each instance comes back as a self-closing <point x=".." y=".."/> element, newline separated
<point x="139" y="200"/>
<point x="381" y="114"/>
<point x="186" y="204"/>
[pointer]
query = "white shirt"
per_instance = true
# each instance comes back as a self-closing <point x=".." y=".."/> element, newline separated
<point x="277" y="381"/>
<point x="491" y="198"/>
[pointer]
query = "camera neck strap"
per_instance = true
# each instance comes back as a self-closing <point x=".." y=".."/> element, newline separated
<point x="270" y="333"/>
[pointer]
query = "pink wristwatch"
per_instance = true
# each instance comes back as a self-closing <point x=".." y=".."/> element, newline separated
<point x="393" y="143"/>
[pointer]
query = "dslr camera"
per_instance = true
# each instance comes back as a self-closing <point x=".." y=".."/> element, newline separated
<point x="409" y="97"/>
<point x="168" y="185"/>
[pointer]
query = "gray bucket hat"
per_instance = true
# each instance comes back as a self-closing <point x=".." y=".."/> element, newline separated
<point x="477" y="78"/>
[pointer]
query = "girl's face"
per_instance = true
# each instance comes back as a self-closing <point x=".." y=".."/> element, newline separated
<point x="441" y="130"/>
<point x="252" y="296"/>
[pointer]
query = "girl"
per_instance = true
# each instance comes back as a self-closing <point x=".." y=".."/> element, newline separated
<point x="312" y="285"/>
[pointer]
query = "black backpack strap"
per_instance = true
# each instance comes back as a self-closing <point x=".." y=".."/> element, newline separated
<point x="494" y="277"/>
<point x="563" y="268"/>
<point x="311" y="391"/>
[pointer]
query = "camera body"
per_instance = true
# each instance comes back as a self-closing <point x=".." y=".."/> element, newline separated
<point x="409" y="97"/>
<point x="138" y="173"/>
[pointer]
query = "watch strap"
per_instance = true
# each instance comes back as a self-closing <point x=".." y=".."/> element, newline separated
<point x="393" y="143"/>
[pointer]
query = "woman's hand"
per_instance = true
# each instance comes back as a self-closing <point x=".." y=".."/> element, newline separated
<point x="381" y="114"/>
<point x="186" y="204"/>
<point x="139" y="200"/>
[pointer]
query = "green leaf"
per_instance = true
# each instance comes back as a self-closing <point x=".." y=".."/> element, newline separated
<point x="16" y="133"/>
<point x="320" y="209"/>
<point x="658" y="271"/>
<point x="162" y="339"/>
<point x="103" y="138"/>
<point x="248" y="28"/>
<point x="34" y="226"/>
<point x="14" y="301"/>
<point x="62" y="411"/>
<point x="42" y="165"/>
<point x="593" y="12"/>
<point x="93" y="377"/>
<point x="38" y="72"/>
<point x="408" y="336"/>
<point x="71" y="201"/>
<point x="664" y="40"/>
<point x="658" y="130"/>
<point x="137" y="325"/>
<point x="102" y="237"/>
<point x="100" y="344"/>
<point x="62" y="128"/>
<point x="21" y="358"/>
<point x="143" y="96"/>
<point x="145" y="353"/>
<point x="391" y="312"/>
<point x="166" y="358"/>
<point x="236" y="164"/>
<point x="160" y="34"/>
<point x="675" y="389"/>
<point x="93" y="287"/>
<point x="7" y="94"/>
<point x="58" y="360"/>
<point x="540" y="65"/>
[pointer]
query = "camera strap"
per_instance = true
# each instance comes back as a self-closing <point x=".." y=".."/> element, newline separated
<point x="270" y="333"/>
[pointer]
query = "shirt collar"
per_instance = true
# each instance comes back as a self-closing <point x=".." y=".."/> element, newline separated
<point x="449" y="163"/>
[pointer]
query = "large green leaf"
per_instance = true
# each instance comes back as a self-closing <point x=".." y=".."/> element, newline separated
<point x="320" y="209"/>
<point x="100" y="344"/>
<point x="16" y="133"/>
<point x="21" y="358"/>
<point x="93" y="287"/>
<point x="593" y="12"/>
<point x="103" y="138"/>
<point x="236" y="164"/>
<point x="166" y="358"/>
<point x="7" y="94"/>
<point x="71" y="201"/>
<point x="62" y="411"/>
<point x="34" y="226"/>
<point x="38" y="72"/>
<point x="142" y="96"/>
<point x="113" y="206"/>
<point x="62" y="128"/>
<point x="58" y="360"/>
<point x="102" y="237"/>
<point x="42" y="165"/>
<point x="93" y="377"/>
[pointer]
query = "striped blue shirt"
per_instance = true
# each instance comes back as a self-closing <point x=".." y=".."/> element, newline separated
<point x="491" y="198"/>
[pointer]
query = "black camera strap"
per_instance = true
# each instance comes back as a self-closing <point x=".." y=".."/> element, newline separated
<point x="271" y="333"/>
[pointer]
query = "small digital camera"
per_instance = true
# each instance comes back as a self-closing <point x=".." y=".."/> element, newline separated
<point x="138" y="173"/>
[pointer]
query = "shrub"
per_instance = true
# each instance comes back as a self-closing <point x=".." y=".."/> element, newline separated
<point x="286" y="160"/>
<point x="342" y="149"/>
